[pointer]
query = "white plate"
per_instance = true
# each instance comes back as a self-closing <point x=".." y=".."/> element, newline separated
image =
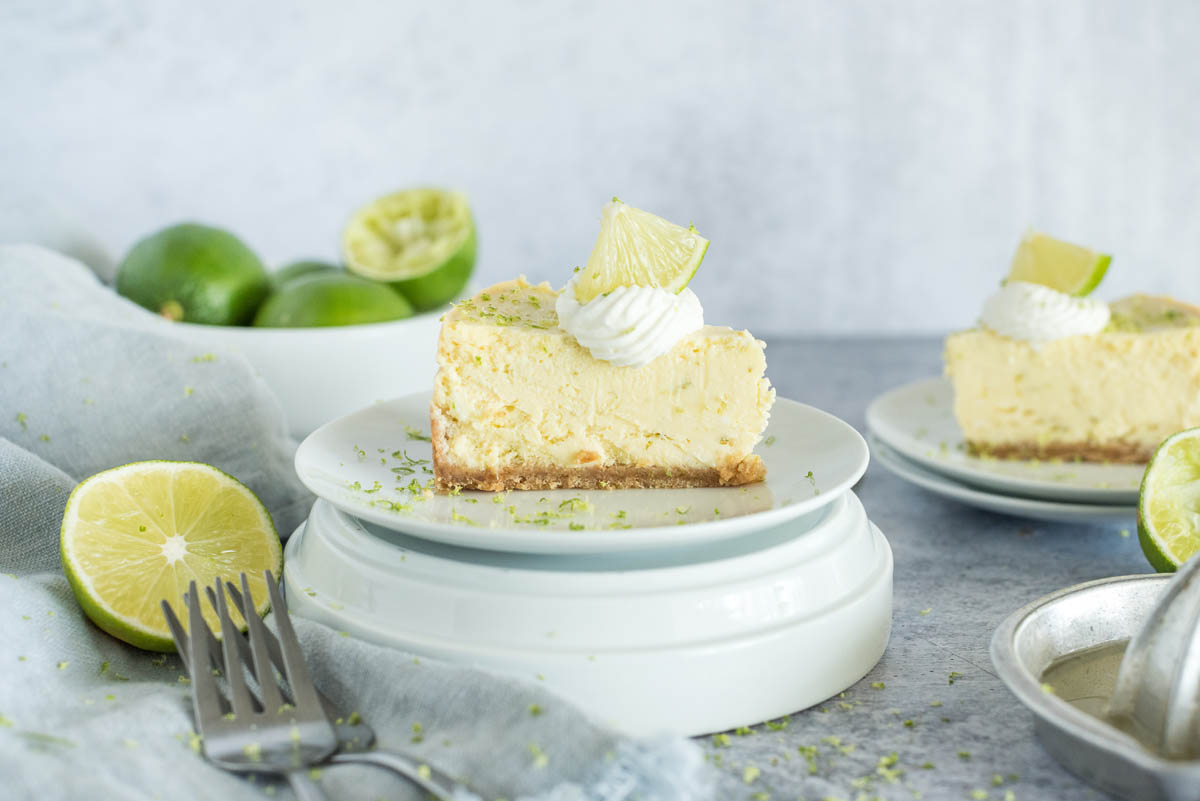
<point x="1037" y="509"/>
<point x="778" y="620"/>
<point x="361" y="462"/>
<point x="917" y="420"/>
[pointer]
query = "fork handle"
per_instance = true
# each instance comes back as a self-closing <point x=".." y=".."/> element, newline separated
<point x="304" y="787"/>
<point x="423" y="775"/>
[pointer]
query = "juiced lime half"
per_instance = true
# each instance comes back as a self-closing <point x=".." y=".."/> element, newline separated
<point x="135" y="535"/>
<point x="1169" y="504"/>
<point x="637" y="248"/>
<point x="1044" y="260"/>
<point x="422" y="241"/>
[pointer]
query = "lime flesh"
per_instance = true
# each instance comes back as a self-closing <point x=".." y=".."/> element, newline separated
<point x="331" y="299"/>
<point x="1072" y="269"/>
<point x="637" y="248"/>
<point x="421" y="241"/>
<point x="136" y="535"/>
<point x="194" y="273"/>
<point x="1169" y="503"/>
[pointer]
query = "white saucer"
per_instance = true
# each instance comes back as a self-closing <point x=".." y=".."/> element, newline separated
<point x="1036" y="509"/>
<point x="362" y="462"/>
<point x="688" y="640"/>
<point x="917" y="420"/>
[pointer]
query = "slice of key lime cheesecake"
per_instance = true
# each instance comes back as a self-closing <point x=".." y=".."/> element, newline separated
<point x="614" y="382"/>
<point x="1052" y="374"/>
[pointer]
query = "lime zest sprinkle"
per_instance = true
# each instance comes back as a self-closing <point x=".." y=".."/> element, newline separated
<point x="924" y="612"/>
<point x="535" y="710"/>
<point x="204" y="357"/>
<point x="878" y="685"/>
<point x="540" y="760"/>
<point x="63" y="665"/>
<point x="22" y="419"/>
<point x="769" y="441"/>
<point x="417" y="434"/>
<point x="750" y="774"/>
<point x="954" y="676"/>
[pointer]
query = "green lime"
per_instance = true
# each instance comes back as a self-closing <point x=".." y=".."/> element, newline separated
<point x="325" y="299"/>
<point x="136" y="535"/>
<point x="421" y="241"/>
<point x="298" y="269"/>
<point x="1169" y="503"/>
<point x="196" y="274"/>
<point x="637" y="248"/>
<point x="1041" y="259"/>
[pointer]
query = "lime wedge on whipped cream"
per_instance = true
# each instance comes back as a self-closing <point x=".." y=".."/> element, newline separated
<point x="1169" y="503"/>
<point x="637" y="248"/>
<point x="1044" y="260"/>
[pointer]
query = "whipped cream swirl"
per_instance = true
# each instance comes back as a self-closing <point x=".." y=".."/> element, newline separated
<point x="1035" y="313"/>
<point x="632" y="325"/>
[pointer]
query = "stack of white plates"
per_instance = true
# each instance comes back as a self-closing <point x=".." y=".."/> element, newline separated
<point x="689" y="611"/>
<point x="914" y="434"/>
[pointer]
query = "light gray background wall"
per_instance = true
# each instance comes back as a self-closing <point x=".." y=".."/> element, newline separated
<point x="858" y="166"/>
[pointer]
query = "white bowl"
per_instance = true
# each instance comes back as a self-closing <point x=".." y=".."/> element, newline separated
<point x="687" y="640"/>
<point x="320" y="374"/>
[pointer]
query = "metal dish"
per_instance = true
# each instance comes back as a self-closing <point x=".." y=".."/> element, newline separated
<point x="1069" y="622"/>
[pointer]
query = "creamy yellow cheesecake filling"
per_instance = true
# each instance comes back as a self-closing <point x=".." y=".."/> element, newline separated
<point x="514" y="392"/>
<point x="1114" y="395"/>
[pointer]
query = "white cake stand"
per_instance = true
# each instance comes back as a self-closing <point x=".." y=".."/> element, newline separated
<point x="689" y="640"/>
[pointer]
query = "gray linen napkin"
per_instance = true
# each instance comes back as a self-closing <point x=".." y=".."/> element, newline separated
<point x="89" y="381"/>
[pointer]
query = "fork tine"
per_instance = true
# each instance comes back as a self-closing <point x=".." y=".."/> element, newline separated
<point x="304" y="692"/>
<point x="239" y="693"/>
<point x="272" y="699"/>
<point x="177" y="634"/>
<point x="242" y="646"/>
<point x="269" y="640"/>
<point x="206" y="698"/>
<point x="214" y="645"/>
<point x="331" y="710"/>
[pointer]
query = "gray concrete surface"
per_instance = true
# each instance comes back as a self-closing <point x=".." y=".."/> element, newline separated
<point x="905" y="731"/>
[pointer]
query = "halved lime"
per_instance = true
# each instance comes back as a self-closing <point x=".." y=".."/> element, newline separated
<point x="1169" y="504"/>
<point x="326" y="299"/>
<point x="194" y="273"/>
<point x="637" y="248"/>
<point x="137" y="534"/>
<point x="1044" y="260"/>
<point x="421" y="241"/>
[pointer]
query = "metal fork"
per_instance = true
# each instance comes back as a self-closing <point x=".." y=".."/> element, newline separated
<point x="355" y="736"/>
<point x="237" y="734"/>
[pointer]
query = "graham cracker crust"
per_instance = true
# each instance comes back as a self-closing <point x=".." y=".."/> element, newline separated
<point x="449" y="476"/>
<point x="1116" y="451"/>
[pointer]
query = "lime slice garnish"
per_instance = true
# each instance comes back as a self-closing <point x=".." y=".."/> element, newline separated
<point x="637" y="248"/>
<point x="1044" y="260"/>
<point x="422" y="241"/>
<point x="136" y="535"/>
<point x="1169" y="504"/>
